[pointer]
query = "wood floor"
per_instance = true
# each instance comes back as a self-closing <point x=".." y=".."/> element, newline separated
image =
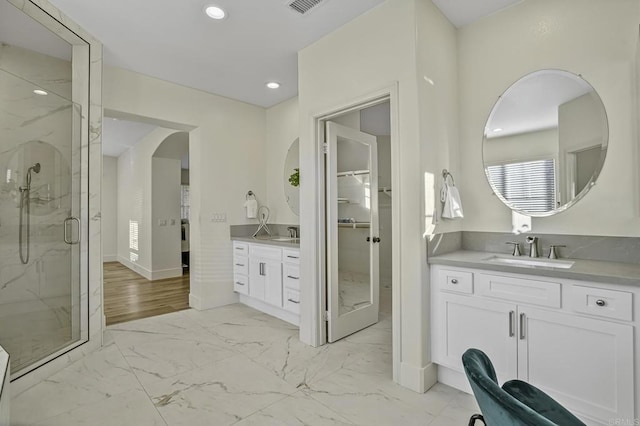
<point x="129" y="296"/>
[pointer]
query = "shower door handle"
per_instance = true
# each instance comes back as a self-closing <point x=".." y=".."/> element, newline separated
<point x="68" y="236"/>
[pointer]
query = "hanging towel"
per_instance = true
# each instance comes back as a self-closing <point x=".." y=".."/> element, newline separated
<point x="450" y="196"/>
<point x="252" y="208"/>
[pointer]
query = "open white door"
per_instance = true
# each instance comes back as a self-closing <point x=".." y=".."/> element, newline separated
<point x="352" y="230"/>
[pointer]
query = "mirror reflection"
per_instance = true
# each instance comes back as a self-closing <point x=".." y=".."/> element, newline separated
<point x="292" y="177"/>
<point x="545" y="142"/>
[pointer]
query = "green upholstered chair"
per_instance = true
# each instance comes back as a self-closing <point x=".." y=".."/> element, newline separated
<point x="515" y="403"/>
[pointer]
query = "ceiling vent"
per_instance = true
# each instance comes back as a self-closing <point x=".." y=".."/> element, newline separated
<point x="303" y="6"/>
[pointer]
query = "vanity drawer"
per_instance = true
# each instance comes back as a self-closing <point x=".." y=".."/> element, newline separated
<point x="240" y="248"/>
<point x="456" y="281"/>
<point x="291" y="276"/>
<point x="292" y="300"/>
<point x="291" y="256"/>
<point x="601" y="302"/>
<point x="241" y="284"/>
<point x="265" y="252"/>
<point x="240" y="265"/>
<point x="534" y="292"/>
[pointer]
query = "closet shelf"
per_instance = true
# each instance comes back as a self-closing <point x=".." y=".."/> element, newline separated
<point x="353" y="173"/>
<point x="354" y="225"/>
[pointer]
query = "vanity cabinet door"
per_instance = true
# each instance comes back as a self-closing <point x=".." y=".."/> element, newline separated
<point x="466" y="322"/>
<point x="584" y="363"/>
<point x="256" y="278"/>
<point x="273" y="282"/>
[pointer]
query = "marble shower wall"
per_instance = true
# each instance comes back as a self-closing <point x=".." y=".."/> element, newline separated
<point x="88" y="129"/>
<point x="36" y="298"/>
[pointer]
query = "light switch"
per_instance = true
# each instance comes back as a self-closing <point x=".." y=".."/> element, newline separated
<point x="173" y="222"/>
<point x="162" y="222"/>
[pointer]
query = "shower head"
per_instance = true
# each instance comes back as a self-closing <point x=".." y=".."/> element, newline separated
<point x="35" y="167"/>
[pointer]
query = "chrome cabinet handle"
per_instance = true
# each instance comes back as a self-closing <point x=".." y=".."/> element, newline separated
<point x="293" y="257"/>
<point x="522" y="325"/>
<point x="292" y="277"/>
<point x="454" y="281"/>
<point x="512" y="323"/>
<point x="239" y="283"/>
<point x="601" y="302"/>
<point x="239" y="264"/>
<point x="294" y="301"/>
<point x="69" y="235"/>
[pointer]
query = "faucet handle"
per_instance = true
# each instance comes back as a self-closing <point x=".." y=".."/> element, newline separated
<point x="516" y="248"/>
<point x="553" y="254"/>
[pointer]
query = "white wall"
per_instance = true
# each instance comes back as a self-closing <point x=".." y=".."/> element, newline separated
<point x="521" y="147"/>
<point x="385" y="42"/>
<point x="109" y="208"/>
<point x="282" y="129"/>
<point x="165" y="218"/>
<point x="541" y="34"/>
<point x="227" y="151"/>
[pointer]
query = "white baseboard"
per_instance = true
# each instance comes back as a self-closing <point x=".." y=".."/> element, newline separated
<point x="109" y="258"/>
<point x="418" y="379"/>
<point x="211" y="301"/>
<point x="274" y="311"/>
<point x="166" y="273"/>
<point x="151" y="275"/>
<point x="453" y="378"/>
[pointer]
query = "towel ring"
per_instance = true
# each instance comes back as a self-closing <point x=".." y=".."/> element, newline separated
<point x="446" y="174"/>
<point x="250" y="194"/>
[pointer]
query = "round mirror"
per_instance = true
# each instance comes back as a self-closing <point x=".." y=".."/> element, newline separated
<point x="292" y="177"/>
<point x="545" y="142"/>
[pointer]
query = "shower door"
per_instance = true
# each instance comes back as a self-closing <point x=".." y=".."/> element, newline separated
<point x="352" y="231"/>
<point x="43" y="300"/>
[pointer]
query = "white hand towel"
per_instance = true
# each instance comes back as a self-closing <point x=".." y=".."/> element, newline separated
<point x="451" y="198"/>
<point x="252" y="208"/>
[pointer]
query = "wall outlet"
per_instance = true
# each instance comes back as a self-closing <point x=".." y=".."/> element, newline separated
<point x="219" y="217"/>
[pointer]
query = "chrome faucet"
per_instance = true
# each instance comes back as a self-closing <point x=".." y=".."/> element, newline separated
<point x="553" y="253"/>
<point x="533" y="246"/>
<point x="293" y="232"/>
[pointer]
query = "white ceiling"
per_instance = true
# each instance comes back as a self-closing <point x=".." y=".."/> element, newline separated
<point x="464" y="12"/>
<point x="120" y="135"/>
<point x="175" y="41"/>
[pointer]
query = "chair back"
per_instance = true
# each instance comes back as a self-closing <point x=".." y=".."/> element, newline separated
<point x="497" y="406"/>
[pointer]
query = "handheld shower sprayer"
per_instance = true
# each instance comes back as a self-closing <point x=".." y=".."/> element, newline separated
<point x="25" y="210"/>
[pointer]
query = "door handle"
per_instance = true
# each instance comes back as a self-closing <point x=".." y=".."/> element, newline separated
<point x="262" y="269"/>
<point x="375" y="239"/>
<point x="512" y="323"/>
<point x="522" y="325"/>
<point x="68" y="236"/>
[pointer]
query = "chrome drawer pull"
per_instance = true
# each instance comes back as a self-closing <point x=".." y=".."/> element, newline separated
<point x="239" y="283"/>
<point x="522" y="325"/>
<point x="601" y="302"/>
<point x="293" y="257"/>
<point x="512" y="323"/>
<point x="293" y="301"/>
<point x="454" y="281"/>
<point x="239" y="264"/>
<point x="293" y="278"/>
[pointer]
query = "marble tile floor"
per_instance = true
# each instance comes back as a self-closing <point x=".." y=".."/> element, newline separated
<point x="234" y="365"/>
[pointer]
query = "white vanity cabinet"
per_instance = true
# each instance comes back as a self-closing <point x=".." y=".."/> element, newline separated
<point x="545" y="331"/>
<point x="259" y="280"/>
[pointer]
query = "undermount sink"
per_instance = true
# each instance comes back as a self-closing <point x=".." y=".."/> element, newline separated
<point x="286" y="239"/>
<point x="528" y="262"/>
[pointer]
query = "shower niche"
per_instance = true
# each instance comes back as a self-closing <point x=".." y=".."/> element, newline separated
<point x="44" y="89"/>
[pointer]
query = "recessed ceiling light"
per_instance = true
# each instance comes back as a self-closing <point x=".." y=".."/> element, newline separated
<point x="215" y="12"/>
<point x="40" y="92"/>
<point x="497" y="130"/>
<point x="273" y="85"/>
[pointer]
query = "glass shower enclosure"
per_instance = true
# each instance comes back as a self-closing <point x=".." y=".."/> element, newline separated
<point x="43" y="297"/>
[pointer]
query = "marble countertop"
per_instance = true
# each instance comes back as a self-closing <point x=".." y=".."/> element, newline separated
<point x="269" y="241"/>
<point x="584" y="270"/>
